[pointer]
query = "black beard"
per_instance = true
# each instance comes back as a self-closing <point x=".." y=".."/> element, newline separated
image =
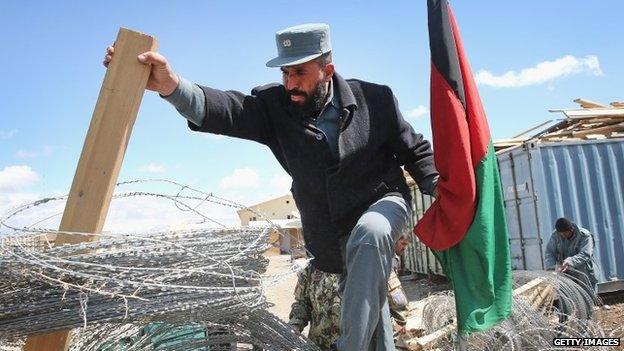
<point x="313" y="103"/>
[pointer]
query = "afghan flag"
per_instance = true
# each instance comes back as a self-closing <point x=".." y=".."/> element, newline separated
<point x="466" y="224"/>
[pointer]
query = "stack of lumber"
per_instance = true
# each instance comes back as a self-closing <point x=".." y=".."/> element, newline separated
<point x="592" y="128"/>
<point x="593" y="121"/>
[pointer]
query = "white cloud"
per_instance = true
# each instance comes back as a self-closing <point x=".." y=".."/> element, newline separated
<point x="419" y="111"/>
<point x="7" y="134"/>
<point x="47" y="150"/>
<point x="17" y="177"/>
<point x="26" y="154"/>
<point x="541" y="73"/>
<point x="12" y="180"/>
<point x="281" y="183"/>
<point x="47" y="215"/>
<point x="135" y="214"/>
<point x="152" y="168"/>
<point x="144" y="214"/>
<point x="241" y="178"/>
<point x="251" y="189"/>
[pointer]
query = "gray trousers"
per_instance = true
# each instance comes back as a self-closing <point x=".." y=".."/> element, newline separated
<point x="365" y="321"/>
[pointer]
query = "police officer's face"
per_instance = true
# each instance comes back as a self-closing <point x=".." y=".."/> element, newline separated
<point x="307" y="81"/>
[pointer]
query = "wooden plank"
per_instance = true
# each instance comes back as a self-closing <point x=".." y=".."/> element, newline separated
<point x="532" y="129"/>
<point x="593" y="112"/>
<point x="527" y="287"/>
<point x="544" y="298"/>
<point x="562" y="139"/>
<point x="600" y="130"/>
<point x="600" y="120"/>
<point x="617" y="104"/>
<point x="588" y="103"/>
<point x="414" y="314"/>
<point x="532" y="295"/>
<point x="102" y="154"/>
<point x="595" y="136"/>
<point x="510" y="141"/>
<point x="430" y="340"/>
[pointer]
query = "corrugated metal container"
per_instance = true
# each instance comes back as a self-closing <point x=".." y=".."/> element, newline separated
<point x="417" y="257"/>
<point x="579" y="180"/>
<point x="542" y="182"/>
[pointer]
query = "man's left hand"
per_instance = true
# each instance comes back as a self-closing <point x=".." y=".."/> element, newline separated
<point x="565" y="265"/>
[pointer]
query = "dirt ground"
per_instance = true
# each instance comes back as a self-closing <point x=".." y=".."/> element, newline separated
<point x="281" y="293"/>
<point x="612" y="317"/>
<point x="416" y="288"/>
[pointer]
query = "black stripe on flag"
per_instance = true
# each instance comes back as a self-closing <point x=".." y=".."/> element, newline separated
<point x="442" y="44"/>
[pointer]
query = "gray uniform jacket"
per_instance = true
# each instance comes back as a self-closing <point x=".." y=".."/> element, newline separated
<point x="331" y="193"/>
<point x="578" y="251"/>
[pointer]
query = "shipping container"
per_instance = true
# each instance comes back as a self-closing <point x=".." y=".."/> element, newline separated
<point x="417" y="257"/>
<point x="543" y="181"/>
<point x="580" y="180"/>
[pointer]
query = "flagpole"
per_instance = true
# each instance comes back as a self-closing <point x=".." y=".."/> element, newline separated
<point x="462" y="343"/>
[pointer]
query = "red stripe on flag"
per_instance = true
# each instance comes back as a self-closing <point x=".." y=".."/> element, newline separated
<point x="450" y="216"/>
<point x="477" y="123"/>
<point x="460" y="138"/>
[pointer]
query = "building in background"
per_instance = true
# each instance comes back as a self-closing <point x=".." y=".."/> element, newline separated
<point x="282" y="207"/>
<point x="281" y="211"/>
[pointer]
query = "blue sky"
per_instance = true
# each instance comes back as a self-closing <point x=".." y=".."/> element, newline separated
<point x="529" y="56"/>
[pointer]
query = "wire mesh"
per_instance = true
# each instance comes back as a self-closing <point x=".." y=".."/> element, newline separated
<point x="140" y="286"/>
<point x="569" y="313"/>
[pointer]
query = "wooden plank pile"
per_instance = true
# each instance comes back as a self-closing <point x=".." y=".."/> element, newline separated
<point x="588" y="128"/>
<point x="593" y="121"/>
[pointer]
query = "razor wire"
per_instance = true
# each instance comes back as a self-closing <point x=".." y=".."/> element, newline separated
<point x="260" y="328"/>
<point x="210" y="275"/>
<point x="570" y="314"/>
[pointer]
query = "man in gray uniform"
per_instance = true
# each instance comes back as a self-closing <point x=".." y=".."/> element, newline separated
<point x="343" y="142"/>
<point x="571" y="249"/>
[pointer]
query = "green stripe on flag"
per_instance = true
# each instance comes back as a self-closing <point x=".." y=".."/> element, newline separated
<point x="479" y="267"/>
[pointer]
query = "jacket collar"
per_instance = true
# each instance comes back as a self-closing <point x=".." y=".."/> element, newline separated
<point x="347" y="99"/>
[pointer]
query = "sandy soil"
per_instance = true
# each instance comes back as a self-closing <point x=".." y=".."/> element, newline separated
<point x="281" y="293"/>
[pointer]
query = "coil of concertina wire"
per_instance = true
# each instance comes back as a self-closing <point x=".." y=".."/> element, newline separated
<point x="568" y="314"/>
<point x="141" y="285"/>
